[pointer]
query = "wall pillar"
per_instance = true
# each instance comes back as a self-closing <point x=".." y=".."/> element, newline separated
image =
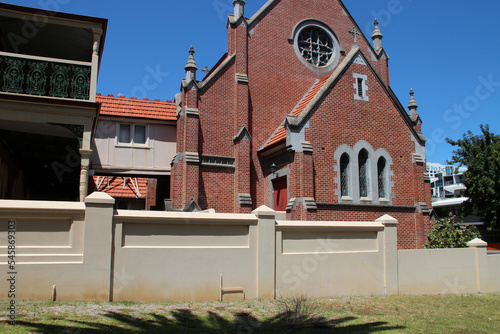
<point x="480" y="249"/>
<point x="97" y="247"/>
<point x="390" y="249"/>
<point x="266" y="252"/>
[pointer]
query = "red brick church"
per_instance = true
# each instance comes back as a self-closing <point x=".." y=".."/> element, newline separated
<point x="298" y="115"/>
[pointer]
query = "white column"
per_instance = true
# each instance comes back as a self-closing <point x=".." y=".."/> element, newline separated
<point x="84" y="173"/>
<point x="95" y="63"/>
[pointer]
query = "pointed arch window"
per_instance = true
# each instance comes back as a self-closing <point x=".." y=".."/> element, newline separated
<point x="363" y="173"/>
<point x="381" y="171"/>
<point x="344" y="175"/>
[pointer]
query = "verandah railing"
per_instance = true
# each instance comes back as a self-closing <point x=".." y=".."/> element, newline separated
<point x="41" y="76"/>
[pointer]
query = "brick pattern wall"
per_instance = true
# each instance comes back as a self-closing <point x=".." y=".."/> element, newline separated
<point x="277" y="82"/>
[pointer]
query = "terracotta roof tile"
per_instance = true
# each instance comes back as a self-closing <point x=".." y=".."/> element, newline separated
<point x="133" y="107"/>
<point x="114" y="186"/>
<point x="280" y="135"/>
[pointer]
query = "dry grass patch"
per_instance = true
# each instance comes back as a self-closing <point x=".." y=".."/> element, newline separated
<point x="391" y="314"/>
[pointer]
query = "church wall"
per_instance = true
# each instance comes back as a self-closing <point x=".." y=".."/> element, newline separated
<point x="217" y="189"/>
<point x="278" y="79"/>
<point x="217" y="116"/>
<point x="341" y="120"/>
<point x="277" y="82"/>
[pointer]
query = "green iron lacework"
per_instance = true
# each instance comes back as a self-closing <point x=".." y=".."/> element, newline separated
<point x="80" y="84"/>
<point x="35" y="77"/>
<point x="59" y="81"/>
<point x="13" y="76"/>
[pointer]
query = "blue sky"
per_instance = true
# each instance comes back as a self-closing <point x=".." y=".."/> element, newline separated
<point x="446" y="50"/>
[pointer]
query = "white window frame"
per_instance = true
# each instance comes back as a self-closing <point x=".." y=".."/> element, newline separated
<point x="371" y="173"/>
<point x="132" y="136"/>
<point x="360" y="96"/>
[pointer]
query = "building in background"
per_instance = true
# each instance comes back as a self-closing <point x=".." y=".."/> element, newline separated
<point x="134" y="144"/>
<point x="49" y="64"/>
<point x="447" y="186"/>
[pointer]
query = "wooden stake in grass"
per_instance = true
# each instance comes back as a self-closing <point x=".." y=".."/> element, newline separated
<point x="54" y="293"/>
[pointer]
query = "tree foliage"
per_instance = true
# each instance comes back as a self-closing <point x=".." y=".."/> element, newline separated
<point x="446" y="233"/>
<point x="481" y="155"/>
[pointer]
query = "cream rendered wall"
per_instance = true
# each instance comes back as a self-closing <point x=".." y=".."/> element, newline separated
<point x="449" y="271"/>
<point x="324" y="259"/>
<point x="91" y="252"/>
<point x="492" y="282"/>
<point x="49" y="247"/>
<point x="180" y="256"/>
<point x="437" y="271"/>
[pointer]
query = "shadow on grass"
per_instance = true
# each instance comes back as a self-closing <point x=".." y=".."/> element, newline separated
<point x="184" y="321"/>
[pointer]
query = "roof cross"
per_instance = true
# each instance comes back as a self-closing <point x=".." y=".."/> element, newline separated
<point x="205" y="70"/>
<point x="355" y="33"/>
<point x="191" y="50"/>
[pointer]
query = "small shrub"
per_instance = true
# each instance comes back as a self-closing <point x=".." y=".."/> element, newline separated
<point x="447" y="233"/>
<point x="298" y="311"/>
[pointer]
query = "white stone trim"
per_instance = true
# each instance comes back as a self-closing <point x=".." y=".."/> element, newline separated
<point x="372" y="173"/>
<point x="364" y="96"/>
<point x="333" y="62"/>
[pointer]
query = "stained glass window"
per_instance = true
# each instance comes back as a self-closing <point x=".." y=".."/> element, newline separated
<point x="381" y="177"/>
<point x="316" y="46"/>
<point x="363" y="173"/>
<point x="344" y="175"/>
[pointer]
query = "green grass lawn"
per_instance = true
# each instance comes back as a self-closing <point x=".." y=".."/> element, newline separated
<point x="392" y="314"/>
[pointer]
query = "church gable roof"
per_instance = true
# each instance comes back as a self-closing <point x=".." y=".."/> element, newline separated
<point x="305" y="109"/>
<point x="280" y="133"/>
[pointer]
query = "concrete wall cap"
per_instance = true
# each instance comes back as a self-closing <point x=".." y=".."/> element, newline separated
<point x="21" y="206"/>
<point x="386" y="220"/>
<point x="477" y="243"/>
<point x="181" y="217"/>
<point x="264" y="211"/>
<point x="99" y="197"/>
<point x="329" y="225"/>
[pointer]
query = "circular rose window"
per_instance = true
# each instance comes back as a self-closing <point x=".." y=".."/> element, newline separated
<point x="316" y="46"/>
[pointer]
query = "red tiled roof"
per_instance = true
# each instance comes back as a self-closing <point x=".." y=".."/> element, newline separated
<point x="114" y="186"/>
<point x="133" y="107"/>
<point x="281" y="133"/>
